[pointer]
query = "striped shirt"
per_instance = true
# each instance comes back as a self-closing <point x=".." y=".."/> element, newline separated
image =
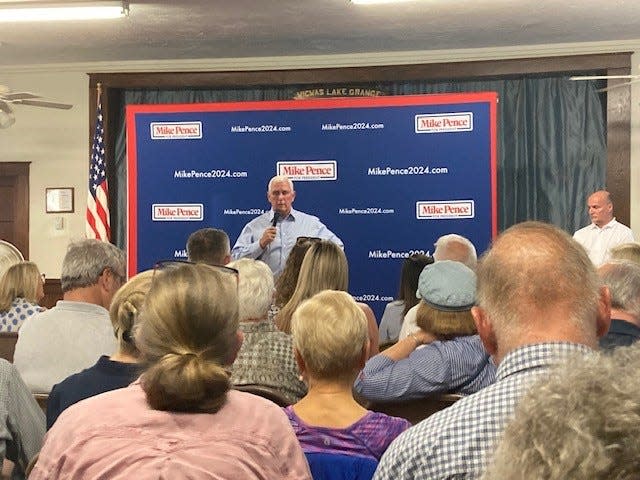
<point x="454" y="442"/>
<point x="461" y="365"/>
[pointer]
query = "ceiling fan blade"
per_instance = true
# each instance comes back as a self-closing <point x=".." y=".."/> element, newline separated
<point x="42" y="103"/>
<point x="12" y="97"/>
<point x="604" y="77"/>
<point x="619" y="85"/>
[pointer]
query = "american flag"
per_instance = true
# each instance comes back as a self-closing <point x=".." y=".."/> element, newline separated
<point x="97" y="202"/>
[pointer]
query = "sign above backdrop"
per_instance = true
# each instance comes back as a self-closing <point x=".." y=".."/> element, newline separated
<point x="388" y="175"/>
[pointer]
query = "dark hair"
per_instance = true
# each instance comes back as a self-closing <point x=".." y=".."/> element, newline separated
<point x="411" y="269"/>
<point x="286" y="282"/>
<point x="208" y="245"/>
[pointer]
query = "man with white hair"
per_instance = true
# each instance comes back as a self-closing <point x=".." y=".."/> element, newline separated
<point x="448" y="247"/>
<point x="457" y="248"/>
<point x="271" y="236"/>
<point x="623" y="279"/>
<point x="538" y="301"/>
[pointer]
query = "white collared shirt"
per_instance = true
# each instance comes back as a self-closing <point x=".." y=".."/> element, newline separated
<point x="598" y="241"/>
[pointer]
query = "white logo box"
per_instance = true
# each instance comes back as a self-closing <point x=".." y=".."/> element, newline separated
<point x="444" y="122"/>
<point x="309" y="171"/>
<point x="176" y="130"/>
<point x="443" y="210"/>
<point x="177" y="212"/>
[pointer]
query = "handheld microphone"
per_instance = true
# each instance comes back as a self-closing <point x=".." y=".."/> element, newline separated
<point x="275" y="219"/>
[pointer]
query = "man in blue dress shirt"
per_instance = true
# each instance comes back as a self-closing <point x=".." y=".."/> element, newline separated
<point x="271" y="236"/>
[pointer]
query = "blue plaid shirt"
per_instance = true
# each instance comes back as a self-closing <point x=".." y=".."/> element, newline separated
<point x="454" y="443"/>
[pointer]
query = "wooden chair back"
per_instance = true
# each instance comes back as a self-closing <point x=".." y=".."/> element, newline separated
<point x="416" y="410"/>
<point x="8" y="345"/>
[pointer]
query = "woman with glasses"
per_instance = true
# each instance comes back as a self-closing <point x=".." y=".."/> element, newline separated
<point x="21" y="288"/>
<point x="180" y="419"/>
<point x="324" y="267"/>
<point x="116" y="371"/>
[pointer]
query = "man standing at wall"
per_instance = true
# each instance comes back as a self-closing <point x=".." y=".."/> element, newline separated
<point x="605" y="232"/>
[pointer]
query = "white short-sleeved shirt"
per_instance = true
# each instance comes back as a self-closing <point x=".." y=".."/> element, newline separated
<point x="598" y="241"/>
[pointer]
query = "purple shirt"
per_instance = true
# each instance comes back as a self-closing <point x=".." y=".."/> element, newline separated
<point x="116" y="435"/>
<point x="368" y="437"/>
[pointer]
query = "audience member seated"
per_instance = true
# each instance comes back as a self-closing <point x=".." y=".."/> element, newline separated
<point x="209" y="245"/>
<point x="539" y="300"/>
<point x="180" y="419"/>
<point x="266" y="356"/>
<point x="395" y="311"/>
<point x="448" y="247"/>
<point x="445" y="356"/>
<point x="330" y="339"/>
<point x="582" y="422"/>
<point x="72" y="335"/>
<point x="623" y="279"/>
<point x="287" y="280"/>
<point x="21" y="288"/>
<point x="109" y="373"/>
<point x="22" y="425"/>
<point x="324" y="267"/>
<point x="626" y="251"/>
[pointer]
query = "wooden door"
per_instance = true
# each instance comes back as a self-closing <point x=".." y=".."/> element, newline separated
<point x="14" y="204"/>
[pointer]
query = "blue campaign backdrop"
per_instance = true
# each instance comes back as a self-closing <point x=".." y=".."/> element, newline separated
<point x="388" y="175"/>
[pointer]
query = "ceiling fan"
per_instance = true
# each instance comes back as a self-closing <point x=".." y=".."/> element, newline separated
<point x="631" y="79"/>
<point x="9" y="98"/>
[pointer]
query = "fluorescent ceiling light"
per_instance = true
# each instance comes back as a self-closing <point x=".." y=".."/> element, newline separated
<point x="51" y="12"/>
<point x="373" y="2"/>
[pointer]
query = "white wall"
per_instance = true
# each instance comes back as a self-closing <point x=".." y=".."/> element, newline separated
<point x="56" y="142"/>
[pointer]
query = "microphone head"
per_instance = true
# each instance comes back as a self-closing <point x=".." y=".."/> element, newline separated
<point x="276" y="215"/>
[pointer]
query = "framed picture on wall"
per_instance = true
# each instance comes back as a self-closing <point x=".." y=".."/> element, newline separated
<point x="59" y="200"/>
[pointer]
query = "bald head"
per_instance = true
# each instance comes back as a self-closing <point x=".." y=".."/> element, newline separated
<point x="600" y="208"/>
<point x="537" y="284"/>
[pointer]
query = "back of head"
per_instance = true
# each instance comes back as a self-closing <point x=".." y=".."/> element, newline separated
<point x="623" y="279"/>
<point x="411" y="269"/>
<point x="255" y="288"/>
<point x="209" y="245"/>
<point x="324" y="267"/>
<point x="125" y="310"/>
<point x="581" y="422"/>
<point x="330" y="332"/>
<point x="19" y="280"/>
<point x="626" y="251"/>
<point x="186" y="336"/>
<point x="286" y="282"/>
<point x="85" y="261"/>
<point x="535" y="271"/>
<point x="457" y="248"/>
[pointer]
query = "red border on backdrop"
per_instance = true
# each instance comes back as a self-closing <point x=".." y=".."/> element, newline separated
<point x="306" y="104"/>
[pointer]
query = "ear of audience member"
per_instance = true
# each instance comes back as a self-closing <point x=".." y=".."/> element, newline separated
<point x="331" y="342"/>
<point x="444" y="355"/>
<point x="209" y="245"/>
<point x="266" y="355"/>
<point x="324" y="267"/>
<point x="72" y="335"/>
<point x="21" y="289"/>
<point x="539" y="301"/>
<point x="581" y="422"/>
<point x="187" y="337"/>
<point x="395" y="311"/>
<point x="109" y="373"/>
<point x="622" y="277"/>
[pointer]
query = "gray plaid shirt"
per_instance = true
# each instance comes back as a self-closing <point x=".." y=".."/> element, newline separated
<point x="23" y="424"/>
<point x="453" y="443"/>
